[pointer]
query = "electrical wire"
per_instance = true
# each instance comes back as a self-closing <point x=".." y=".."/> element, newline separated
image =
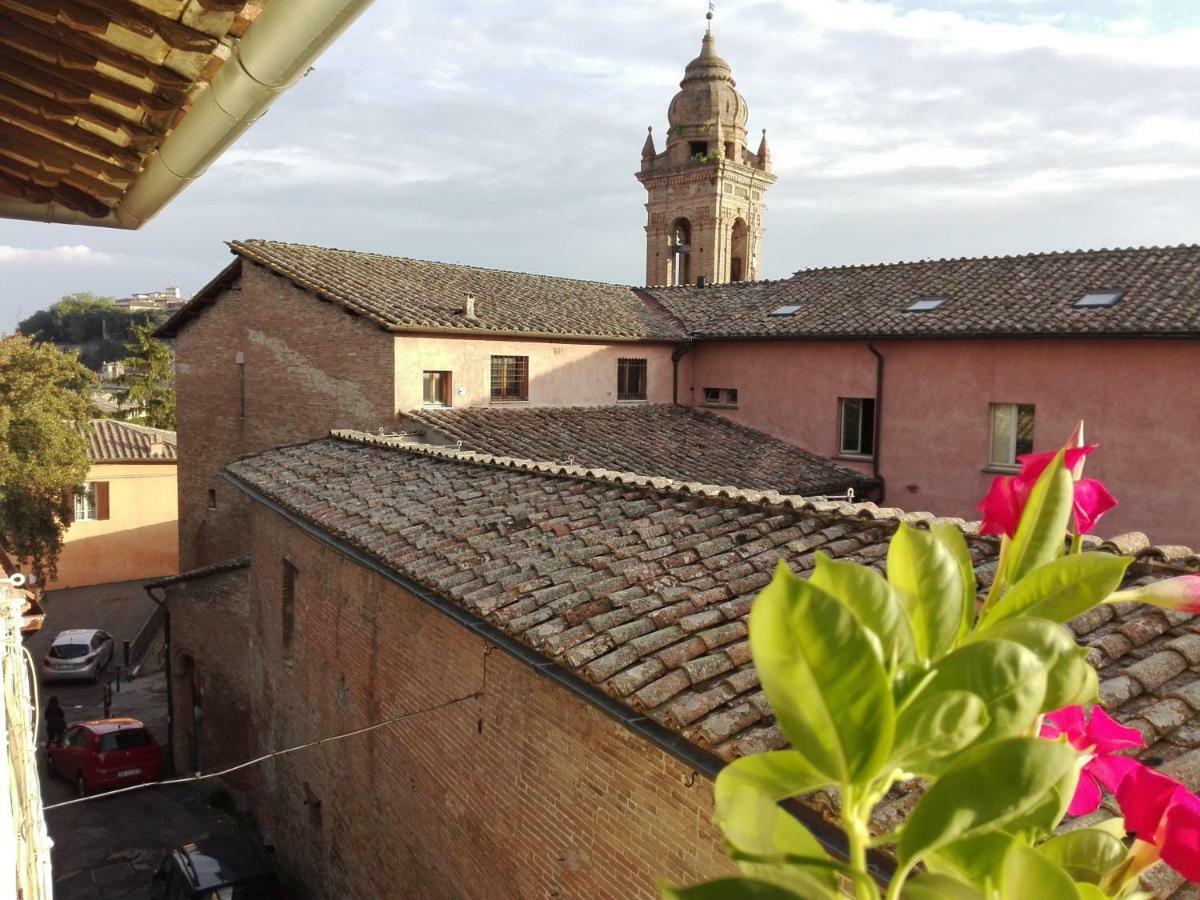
<point x="203" y="776"/>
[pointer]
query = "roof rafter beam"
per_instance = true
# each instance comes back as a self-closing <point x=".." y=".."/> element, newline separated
<point x="33" y="148"/>
<point x="67" y="134"/>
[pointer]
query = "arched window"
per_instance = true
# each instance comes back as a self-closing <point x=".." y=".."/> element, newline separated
<point x="737" y="251"/>
<point x="681" y="253"/>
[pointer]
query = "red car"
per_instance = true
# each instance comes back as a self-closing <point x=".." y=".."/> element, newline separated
<point x="106" y="753"/>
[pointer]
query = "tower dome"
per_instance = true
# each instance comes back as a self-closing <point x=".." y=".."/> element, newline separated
<point x="708" y="92"/>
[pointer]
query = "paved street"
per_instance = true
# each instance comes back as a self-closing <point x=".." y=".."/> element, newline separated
<point x="108" y="847"/>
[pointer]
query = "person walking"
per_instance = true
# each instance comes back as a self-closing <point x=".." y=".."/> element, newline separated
<point x="56" y="722"/>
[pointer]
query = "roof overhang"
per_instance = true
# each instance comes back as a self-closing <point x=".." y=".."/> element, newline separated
<point x="110" y="108"/>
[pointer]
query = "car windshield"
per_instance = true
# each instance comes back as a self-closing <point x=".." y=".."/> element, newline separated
<point x="265" y="888"/>
<point x="69" y="651"/>
<point x="128" y="739"/>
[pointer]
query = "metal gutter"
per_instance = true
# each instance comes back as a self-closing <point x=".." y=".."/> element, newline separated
<point x="671" y="743"/>
<point x="881" y="483"/>
<point x="277" y="51"/>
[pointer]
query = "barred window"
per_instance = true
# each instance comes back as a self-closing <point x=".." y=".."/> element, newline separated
<point x="631" y="379"/>
<point x="510" y="378"/>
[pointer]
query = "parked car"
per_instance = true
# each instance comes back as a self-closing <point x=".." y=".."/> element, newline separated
<point x="78" y="653"/>
<point x="234" y="867"/>
<point x="106" y="753"/>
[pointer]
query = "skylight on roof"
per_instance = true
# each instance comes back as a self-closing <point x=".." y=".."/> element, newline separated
<point x="925" y="304"/>
<point x="1099" y="299"/>
<point x="786" y="310"/>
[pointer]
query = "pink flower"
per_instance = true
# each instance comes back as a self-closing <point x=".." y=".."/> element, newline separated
<point x="1102" y="737"/>
<point x="1005" y="502"/>
<point x="1181" y="593"/>
<point x="1162" y="812"/>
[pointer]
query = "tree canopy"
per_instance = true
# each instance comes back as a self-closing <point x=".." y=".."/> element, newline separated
<point x="44" y="413"/>
<point x="94" y="325"/>
<point x="150" y="377"/>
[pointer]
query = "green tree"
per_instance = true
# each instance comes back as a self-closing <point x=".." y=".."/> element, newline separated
<point x="150" y="377"/>
<point x="93" y="325"/>
<point x="43" y="450"/>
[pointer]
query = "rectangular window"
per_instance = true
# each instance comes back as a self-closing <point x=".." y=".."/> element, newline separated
<point x="1012" y="433"/>
<point x="212" y="498"/>
<point x="91" y="501"/>
<point x="631" y="379"/>
<point x="510" y="378"/>
<point x="857" y="426"/>
<point x="720" y="397"/>
<point x="435" y="389"/>
<point x="698" y="148"/>
<point x="288" y="606"/>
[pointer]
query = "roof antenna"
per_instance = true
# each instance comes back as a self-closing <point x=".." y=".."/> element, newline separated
<point x="712" y="7"/>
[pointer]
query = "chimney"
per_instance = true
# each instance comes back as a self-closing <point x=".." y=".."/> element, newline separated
<point x="470" y="310"/>
<point x="157" y="448"/>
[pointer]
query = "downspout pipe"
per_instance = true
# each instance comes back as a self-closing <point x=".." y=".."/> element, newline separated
<point x="881" y="490"/>
<point x="676" y="355"/>
<point x="275" y="53"/>
<point x="161" y="603"/>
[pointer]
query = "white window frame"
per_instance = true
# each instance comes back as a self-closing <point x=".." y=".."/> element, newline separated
<point x="1010" y="463"/>
<point x="86" y="509"/>
<point x="862" y="420"/>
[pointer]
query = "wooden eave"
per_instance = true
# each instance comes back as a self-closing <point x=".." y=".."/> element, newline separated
<point x="90" y="89"/>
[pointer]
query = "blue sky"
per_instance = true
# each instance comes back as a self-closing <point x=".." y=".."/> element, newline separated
<point x="507" y="135"/>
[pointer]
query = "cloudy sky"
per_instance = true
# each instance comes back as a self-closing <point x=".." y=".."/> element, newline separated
<point x="507" y="134"/>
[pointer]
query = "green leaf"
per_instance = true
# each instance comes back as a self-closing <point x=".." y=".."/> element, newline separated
<point x="939" y="887"/>
<point x="934" y="727"/>
<point x="977" y="859"/>
<point x="1070" y="679"/>
<point x="736" y="889"/>
<point x="1086" y="855"/>
<point x="823" y="678"/>
<point x="927" y="579"/>
<point x="986" y="787"/>
<point x="1010" y="679"/>
<point x="951" y="537"/>
<point x="747" y="792"/>
<point x="1062" y="589"/>
<point x="1027" y="873"/>
<point x="1041" y="535"/>
<point x="872" y="599"/>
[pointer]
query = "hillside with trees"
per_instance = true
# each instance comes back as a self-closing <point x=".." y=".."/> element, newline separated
<point x="94" y="326"/>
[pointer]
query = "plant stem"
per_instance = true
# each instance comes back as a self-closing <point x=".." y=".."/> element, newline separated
<point x="857" y="838"/>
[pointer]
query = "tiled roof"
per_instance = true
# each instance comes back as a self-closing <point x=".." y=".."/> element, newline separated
<point x="672" y="441"/>
<point x="1013" y="295"/>
<point x="641" y="586"/>
<point x="224" y="565"/>
<point x="112" y="441"/>
<point x="411" y="294"/>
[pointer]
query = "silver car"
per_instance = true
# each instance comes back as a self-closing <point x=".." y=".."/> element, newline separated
<point x="78" y="653"/>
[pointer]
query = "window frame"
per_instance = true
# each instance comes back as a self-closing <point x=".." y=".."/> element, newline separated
<point x="521" y="365"/>
<point x="1010" y="465"/>
<point x="445" y="378"/>
<point x="858" y="453"/>
<point x="85" y="507"/>
<point x="726" y="398"/>
<point x="626" y="365"/>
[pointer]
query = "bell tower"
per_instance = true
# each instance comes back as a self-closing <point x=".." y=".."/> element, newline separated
<point x="705" y="205"/>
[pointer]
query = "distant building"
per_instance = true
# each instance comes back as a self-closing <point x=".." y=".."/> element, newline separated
<point x="125" y="519"/>
<point x="166" y="300"/>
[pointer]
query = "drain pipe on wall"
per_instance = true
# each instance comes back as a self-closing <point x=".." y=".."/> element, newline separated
<point x="676" y="355"/>
<point x="882" y="488"/>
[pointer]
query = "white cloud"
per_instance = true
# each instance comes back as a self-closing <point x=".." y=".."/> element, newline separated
<point x="65" y="254"/>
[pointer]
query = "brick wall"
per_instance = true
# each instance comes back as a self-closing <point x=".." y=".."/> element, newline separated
<point x="212" y="662"/>
<point x="309" y="367"/>
<point x="524" y="791"/>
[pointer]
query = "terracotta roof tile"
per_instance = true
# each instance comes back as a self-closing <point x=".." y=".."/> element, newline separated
<point x="110" y="440"/>
<point x="414" y="294"/>
<point x="675" y="442"/>
<point x="1012" y="295"/>
<point x="667" y="649"/>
